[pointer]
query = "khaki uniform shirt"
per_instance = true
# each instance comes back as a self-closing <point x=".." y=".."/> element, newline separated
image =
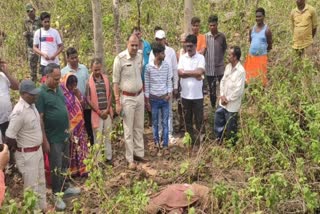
<point x="303" y="22"/>
<point x="25" y="125"/>
<point x="30" y="27"/>
<point x="127" y="71"/>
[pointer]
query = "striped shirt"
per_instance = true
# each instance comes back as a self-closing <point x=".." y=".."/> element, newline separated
<point x="216" y="48"/>
<point x="101" y="94"/>
<point x="158" y="81"/>
<point x="171" y="59"/>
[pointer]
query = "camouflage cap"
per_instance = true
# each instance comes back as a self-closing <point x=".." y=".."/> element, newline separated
<point x="29" y="7"/>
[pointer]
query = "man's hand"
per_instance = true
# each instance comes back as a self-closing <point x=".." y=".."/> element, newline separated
<point x="4" y="67"/>
<point x="167" y="98"/>
<point x="52" y="57"/>
<point x="199" y="78"/>
<point x="12" y="144"/>
<point x="118" y="108"/>
<point x="4" y="157"/>
<point x="224" y="100"/>
<point x="45" y="146"/>
<point x="77" y="93"/>
<point x="148" y="104"/>
<point x="175" y="93"/>
<point x="46" y="56"/>
<point x="26" y="34"/>
<point x="104" y="114"/>
<point x="111" y="114"/>
<point x="181" y="73"/>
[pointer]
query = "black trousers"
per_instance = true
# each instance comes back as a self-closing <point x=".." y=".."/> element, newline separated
<point x="213" y="82"/>
<point x="87" y="123"/>
<point x="193" y="110"/>
<point x="3" y="127"/>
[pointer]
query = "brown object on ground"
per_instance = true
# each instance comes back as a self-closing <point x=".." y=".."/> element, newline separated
<point x="132" y="166"/>
<point x="177" y="197"/>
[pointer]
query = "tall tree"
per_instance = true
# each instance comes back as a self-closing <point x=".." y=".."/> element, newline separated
<point x="139" y="2"/>
<point x="116" y="25"/>
<point x="188" y="11"/>
<point x="98" y="30"/>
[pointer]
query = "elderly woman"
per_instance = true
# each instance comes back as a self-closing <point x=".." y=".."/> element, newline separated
<point x="79" y="140"/>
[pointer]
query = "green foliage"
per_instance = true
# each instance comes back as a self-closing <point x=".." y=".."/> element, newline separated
<point x="131" y="200"/>
<point x="26" y="206"/>
<point x="184" y="167"/>
<point x="187" y="140"/>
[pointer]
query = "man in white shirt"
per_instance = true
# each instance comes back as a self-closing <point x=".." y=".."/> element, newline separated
<point x="231" y="91"/>
<point x="6" y="82"/>
<point x="171" y="59"/>
<point x="47" y="43"/>
<point x="191" y="70"/>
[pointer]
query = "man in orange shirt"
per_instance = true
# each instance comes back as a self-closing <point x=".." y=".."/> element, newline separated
<point x="201" y="44"/>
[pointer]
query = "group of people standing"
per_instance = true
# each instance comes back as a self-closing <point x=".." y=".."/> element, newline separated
<point x="73" y="107"/>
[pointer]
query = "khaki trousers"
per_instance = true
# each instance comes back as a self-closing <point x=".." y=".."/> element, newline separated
<point x="103" y="133"/>
<point x="133" y="125"/>
<point x="306" y="52"/>
<point x="31" y="166"/>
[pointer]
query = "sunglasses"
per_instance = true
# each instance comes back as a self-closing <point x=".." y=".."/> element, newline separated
<point x="29" y="11"/>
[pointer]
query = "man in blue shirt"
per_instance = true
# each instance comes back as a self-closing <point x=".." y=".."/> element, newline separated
<point x="145" y="47"/>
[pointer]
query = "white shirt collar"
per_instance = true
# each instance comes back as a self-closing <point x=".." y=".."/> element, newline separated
<point x="24" y="103"/>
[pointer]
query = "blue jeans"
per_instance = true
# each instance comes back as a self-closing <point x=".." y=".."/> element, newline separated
<point x="163" y="106"/>
<point x="225" y="124"/>
<point x="170" y="118"/>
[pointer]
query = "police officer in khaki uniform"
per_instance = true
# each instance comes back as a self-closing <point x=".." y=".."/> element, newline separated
<point x="31" y="24"/>
<point x="127" y="86"/>
<point x="24" y="136"/>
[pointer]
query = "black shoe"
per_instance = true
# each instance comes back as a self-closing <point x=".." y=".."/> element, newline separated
<point x="109" y="162"/>
<point x="140" y="159"/>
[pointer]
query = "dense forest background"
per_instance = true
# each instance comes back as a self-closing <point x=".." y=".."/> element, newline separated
<point x="74" y="20"/>
<point x="275" y="166"/>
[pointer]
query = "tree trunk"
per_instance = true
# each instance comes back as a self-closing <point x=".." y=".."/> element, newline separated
<point x="116" y="25"/>
<point x="188" y="8"/>
<point x="139" y="12"/>
<point x="97" y="30"/>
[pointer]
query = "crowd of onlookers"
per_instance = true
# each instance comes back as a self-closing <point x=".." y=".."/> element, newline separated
<point x="73" y="106"/>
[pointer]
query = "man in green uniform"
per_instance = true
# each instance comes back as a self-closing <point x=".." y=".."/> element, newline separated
<point x="31" y="24"/>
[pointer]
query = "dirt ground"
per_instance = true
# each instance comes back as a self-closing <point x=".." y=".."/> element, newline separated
<point x="162" y="169"/>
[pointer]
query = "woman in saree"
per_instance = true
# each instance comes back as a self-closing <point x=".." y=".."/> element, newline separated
<point x="78" y="135"/>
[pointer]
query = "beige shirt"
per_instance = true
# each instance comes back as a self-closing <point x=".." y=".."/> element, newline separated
<point x="232" y="87"/>
<point x="127" y="71"/>
<point x="25" y="125"/>
<point x="303" y="22"/>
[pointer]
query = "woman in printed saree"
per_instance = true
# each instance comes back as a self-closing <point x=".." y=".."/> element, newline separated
<point x="260" y="38"/>
<point x="78" y="146"/>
